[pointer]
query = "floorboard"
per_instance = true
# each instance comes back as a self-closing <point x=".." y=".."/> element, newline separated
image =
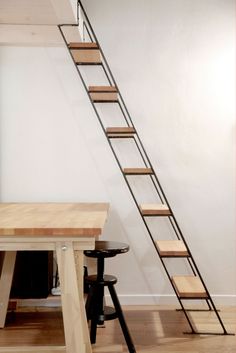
<point x="153" y="328"/>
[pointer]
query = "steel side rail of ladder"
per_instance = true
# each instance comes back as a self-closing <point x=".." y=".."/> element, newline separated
<point x="191" y="287"/>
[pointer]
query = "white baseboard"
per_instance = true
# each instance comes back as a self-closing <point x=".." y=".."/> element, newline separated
<point x="169" y="299"/>
<point x="132" y="299"/>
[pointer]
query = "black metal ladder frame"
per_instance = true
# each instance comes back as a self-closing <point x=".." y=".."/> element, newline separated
<point x="120" y="101"/>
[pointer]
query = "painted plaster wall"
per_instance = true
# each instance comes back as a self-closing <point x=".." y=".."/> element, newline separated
<point x="174" y="62"/>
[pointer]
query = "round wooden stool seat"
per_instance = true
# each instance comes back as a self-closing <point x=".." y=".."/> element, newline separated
<point x="107" y="249"/>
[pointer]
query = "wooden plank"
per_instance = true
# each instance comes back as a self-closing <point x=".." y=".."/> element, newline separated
<point x="189" y="287"/>
<point x="86" y="56"/>
<point x="83" y="45"/>
<point x="102" y="89"/>
<point x="79" y="263"/>
<point x="75" y="324"/>
<point x="154" y="210"/>
<point x="33" y="349"/>
<point x="24" y="246"/>
<point x="5" y="283"/>
<point x="104" y="97"/>
<point x="137" y="171"/>
<point x="103" y="93"/>
<point x="171" y="248"/>
<point x="35" y="244"/>
<point x="120" y="130"/>
<point x="52" y="219"/>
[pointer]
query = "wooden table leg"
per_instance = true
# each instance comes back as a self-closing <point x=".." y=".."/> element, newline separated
<point x="80" y="281"/>
<point x="8" y="264"/>
<point x="74" y="318"/>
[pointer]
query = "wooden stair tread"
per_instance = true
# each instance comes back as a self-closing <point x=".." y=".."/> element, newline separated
<point x="87" y="55"/>
<point x="169" y="248"/>
<point x="137" y="171"/>
<point x="103" y="94"/>
<point x="83" y="45"/>
<point x="102" y="89"/>
<point x="154" y="210"/>
<point x="120" y="130"/>
<point x="189" y="287"/>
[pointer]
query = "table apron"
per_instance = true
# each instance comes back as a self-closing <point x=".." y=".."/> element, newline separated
<point x="41" y="244"/>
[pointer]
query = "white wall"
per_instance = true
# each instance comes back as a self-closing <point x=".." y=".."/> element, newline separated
<point x="175" y="65"/>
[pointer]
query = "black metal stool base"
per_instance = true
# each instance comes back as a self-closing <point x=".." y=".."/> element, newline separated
<point x="96" y="312"/>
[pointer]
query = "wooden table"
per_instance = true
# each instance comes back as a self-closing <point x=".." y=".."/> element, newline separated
<point x="63" y="228"/>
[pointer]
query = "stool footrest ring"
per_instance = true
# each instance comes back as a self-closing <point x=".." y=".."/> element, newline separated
<point x="93" y="280"/>
<point x="109" y="313"/>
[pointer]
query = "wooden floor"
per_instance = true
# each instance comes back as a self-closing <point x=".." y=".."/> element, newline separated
<point x="154" y="329"/>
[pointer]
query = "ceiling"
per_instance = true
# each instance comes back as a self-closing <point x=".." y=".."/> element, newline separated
<point x="37" y="11"/>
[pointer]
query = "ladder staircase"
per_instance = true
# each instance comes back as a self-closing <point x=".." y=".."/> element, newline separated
<point x="89" y="52"/>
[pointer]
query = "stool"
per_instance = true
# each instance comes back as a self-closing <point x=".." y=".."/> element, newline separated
<point x="96" y="312"/>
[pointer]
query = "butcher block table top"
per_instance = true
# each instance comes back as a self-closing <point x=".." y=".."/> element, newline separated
<point x="54" y="219"/>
